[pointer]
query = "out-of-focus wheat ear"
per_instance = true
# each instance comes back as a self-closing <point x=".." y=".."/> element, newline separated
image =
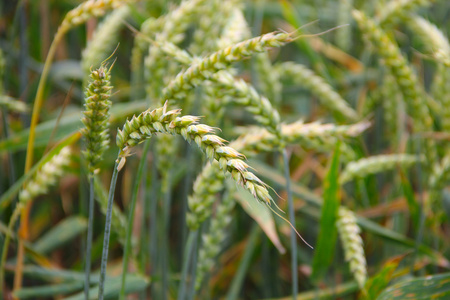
<point x="168" y="28"/>
<point x="235" y="30"/>
<point x="413" y="94"/>
<point x="268" y="78"/>
<point x="327" y="96"/>
<point x="349" y="233"/>
<point x="392" y="101"/>
<point x="104" y="39"/>
<point x="47" y="176"/>
<point x="313" y="136"/>
<point x="376" y="164"/>
<point x="209" y="184"/>
<point x="89" y="9"/>
<point x="343" y="35"/>
<point x="433" y="39"/>
<point x="397" y="10"/>
<point x="206" y="35"/>
<point x="213" y="240"/>
<point x="96" y="116"/>
<point x="220" y="60"/>
<point x="242" y="93"/>
<point x="12" y="104"/>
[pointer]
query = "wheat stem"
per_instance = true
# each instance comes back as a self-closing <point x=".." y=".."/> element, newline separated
<point x="137" y="182"/>
<point x="112" y="188"/>
<point x="87" y="267"/>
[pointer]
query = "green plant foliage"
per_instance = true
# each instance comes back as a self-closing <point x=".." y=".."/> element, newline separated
<point x="429" y="287"/>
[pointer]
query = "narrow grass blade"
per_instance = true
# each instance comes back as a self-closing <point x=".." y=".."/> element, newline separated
<point x="414" y="208"/>
<point x="375" y="285"/>
<point x="238" y="279"/>
<point x="262" y="215"/>
<point x="134" y="283"/>
<point x="60" y="234"/>
<point x="53" y="290"/>
<point x="323" y="254"/>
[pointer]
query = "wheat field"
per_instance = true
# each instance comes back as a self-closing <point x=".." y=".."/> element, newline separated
<point x="225" y="149"/>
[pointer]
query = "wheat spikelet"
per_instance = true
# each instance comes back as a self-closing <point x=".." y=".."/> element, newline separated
<point x="349" y="233"/>
<point x="375" y="164"/>
<point x="104" y="39"/>
<point x="96" y="116"/>
<point x="411" y="89"/>
<point x="142" y="127"/>
<point x="213" y="240"/>
<point x="325" y="93"/>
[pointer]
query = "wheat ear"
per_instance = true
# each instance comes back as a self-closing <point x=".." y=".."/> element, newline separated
<point x="47" y="176"/>
<point x="220" y="60"/>
<point x="349" y="233"/>
<point x="397" y="10"/>
<point x="213" y="240"/>
<point x="375" y="164"/>
<point x="325" y="93"/>
<point x="142" y="127"/>
<point x="409" y="85"/>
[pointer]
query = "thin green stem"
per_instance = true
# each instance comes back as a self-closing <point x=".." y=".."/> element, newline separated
<point x="134" y="196"/>
<point x="87" y="267"/>
<point x="12" y="221"/>
<point x="189" y="249"/>
<point x="101" y="284"/>
<point x="238" y="279"/>
<point x="292" y="220"/>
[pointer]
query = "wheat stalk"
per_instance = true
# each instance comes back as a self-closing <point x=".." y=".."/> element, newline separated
<point x="399" y="9"/>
